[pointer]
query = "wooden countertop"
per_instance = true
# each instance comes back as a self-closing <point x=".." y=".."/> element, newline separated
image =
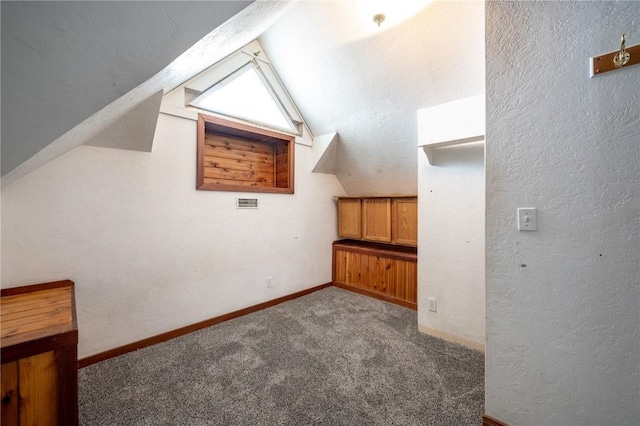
<point x="337" y="197"/>
<point x="37" y="315"/>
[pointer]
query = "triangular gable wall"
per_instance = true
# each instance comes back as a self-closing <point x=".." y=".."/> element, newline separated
<point x="247" y="95"/>
<point x="178" y="101"/>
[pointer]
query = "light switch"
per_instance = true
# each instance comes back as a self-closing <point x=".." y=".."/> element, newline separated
<point x="527" y="220"/>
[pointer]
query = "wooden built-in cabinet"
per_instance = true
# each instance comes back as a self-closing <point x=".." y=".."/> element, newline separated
<point x="404" y="221"/>
<point x="350" y="217"/>
<point x="39" y="355"/>
<point x="381" y="219"/>
<point x="379" y="270"/>
<point x="379" y="258"/>
<point x="376" y="219"/>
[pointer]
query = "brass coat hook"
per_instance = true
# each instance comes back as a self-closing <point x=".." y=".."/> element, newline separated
<point x="618" y="59"/>
<point x="622" y="57"/>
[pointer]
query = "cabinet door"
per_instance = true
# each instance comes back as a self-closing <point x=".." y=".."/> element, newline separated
<point x="376" y="219"/>
<point x="349" y="218"/>
<point x="405" y="221"/>
<point x="346" y="267"/>
<point x="39" y="396"/>
<point x="9" y="380"/>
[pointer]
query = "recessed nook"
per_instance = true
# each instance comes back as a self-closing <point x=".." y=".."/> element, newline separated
<point x="234" y="156"/>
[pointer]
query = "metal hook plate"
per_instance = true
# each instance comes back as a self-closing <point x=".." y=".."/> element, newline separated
<point x="623" y="58"/>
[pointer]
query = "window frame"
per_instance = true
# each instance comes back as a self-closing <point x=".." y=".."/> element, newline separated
<point x="231" y="64"/>
<point x="294" y="126"/>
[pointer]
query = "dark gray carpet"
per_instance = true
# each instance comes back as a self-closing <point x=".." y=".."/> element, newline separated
<point x="329" y="358"/>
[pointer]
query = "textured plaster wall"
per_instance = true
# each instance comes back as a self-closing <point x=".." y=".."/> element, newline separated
<point x="147" y="251"/>
<point x="451" y="193"/>
<point x="451" y="243"/>
<point x="562" y="333"/>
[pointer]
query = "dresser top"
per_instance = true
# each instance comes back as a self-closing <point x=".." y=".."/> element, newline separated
<point x="36" y="312"/>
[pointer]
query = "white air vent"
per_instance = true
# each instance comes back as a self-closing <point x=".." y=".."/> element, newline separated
<point x="246" y="203"/>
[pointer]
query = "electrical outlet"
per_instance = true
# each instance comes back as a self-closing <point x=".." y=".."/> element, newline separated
<point x="432" y="304"/>
<point x="268" y="282"/>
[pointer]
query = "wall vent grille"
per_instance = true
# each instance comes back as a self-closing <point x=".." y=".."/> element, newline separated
<point x="246" y="203"/>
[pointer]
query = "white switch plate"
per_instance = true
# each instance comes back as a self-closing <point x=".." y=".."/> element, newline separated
<point x="527" y="219"/>
<point x="432" y="304"/>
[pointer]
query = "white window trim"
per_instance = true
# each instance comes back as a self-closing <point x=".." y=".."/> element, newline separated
<point x="177" y="100"/>
<point x="292" y="126"/>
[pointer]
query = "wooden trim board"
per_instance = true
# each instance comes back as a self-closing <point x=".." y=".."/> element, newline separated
<point x="490" y="421"/>
<point x="337" y="197"/>
<point x="604" y="63"/>
<point x="112" y="353"/>
<point x="12" y="291"/>
<point x="378" y="249"/>
<point x="452" y="338"/>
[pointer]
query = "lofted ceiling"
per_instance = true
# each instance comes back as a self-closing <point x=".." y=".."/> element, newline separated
<point x="64" y="61"/>
<point x="69" y="65"/>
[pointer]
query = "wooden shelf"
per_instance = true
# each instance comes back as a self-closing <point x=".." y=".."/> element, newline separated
<point x="338" y="197"/>
<point x="387" y="250"/>
<point x="453" y="123"/>
<point x="428" y="149"/>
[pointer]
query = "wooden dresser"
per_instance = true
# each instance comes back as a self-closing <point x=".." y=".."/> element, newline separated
<point x="39" y="341"/>
<point x="379" y="256"/>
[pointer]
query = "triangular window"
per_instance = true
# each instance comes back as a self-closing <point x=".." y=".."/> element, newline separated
<point x="246" y="94"/>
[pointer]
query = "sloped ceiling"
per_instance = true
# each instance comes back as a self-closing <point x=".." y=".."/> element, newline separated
<point x="63" y="61"/>
<point x="71" y="69"/>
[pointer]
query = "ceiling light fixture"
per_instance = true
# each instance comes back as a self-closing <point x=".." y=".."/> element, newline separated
<point x="389" y="12"/>
<point x="378" y="18"/>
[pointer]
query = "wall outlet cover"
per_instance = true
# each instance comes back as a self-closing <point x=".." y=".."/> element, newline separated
<point x="432" y="304"/>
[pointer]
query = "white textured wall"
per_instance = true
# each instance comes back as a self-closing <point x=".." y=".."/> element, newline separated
<point x="451" y="243"/>
<point x="563" y="344"/>
<point x="147" y="251"/>
<point x="366" y="83"/>
<point x="451" y="192"/>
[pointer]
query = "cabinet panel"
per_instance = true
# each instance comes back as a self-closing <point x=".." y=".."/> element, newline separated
<point x="9" y="379"/>
<point x="349" y="218"/>
<point x="385" y="219"/>
<point x="353" y="268"/>
<point x="376" y="219"/>
<point x="404" y="221"/>
<point x="38" y="389"/>
<point x="347" y="267"/>
<point x="383" y="273"/>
